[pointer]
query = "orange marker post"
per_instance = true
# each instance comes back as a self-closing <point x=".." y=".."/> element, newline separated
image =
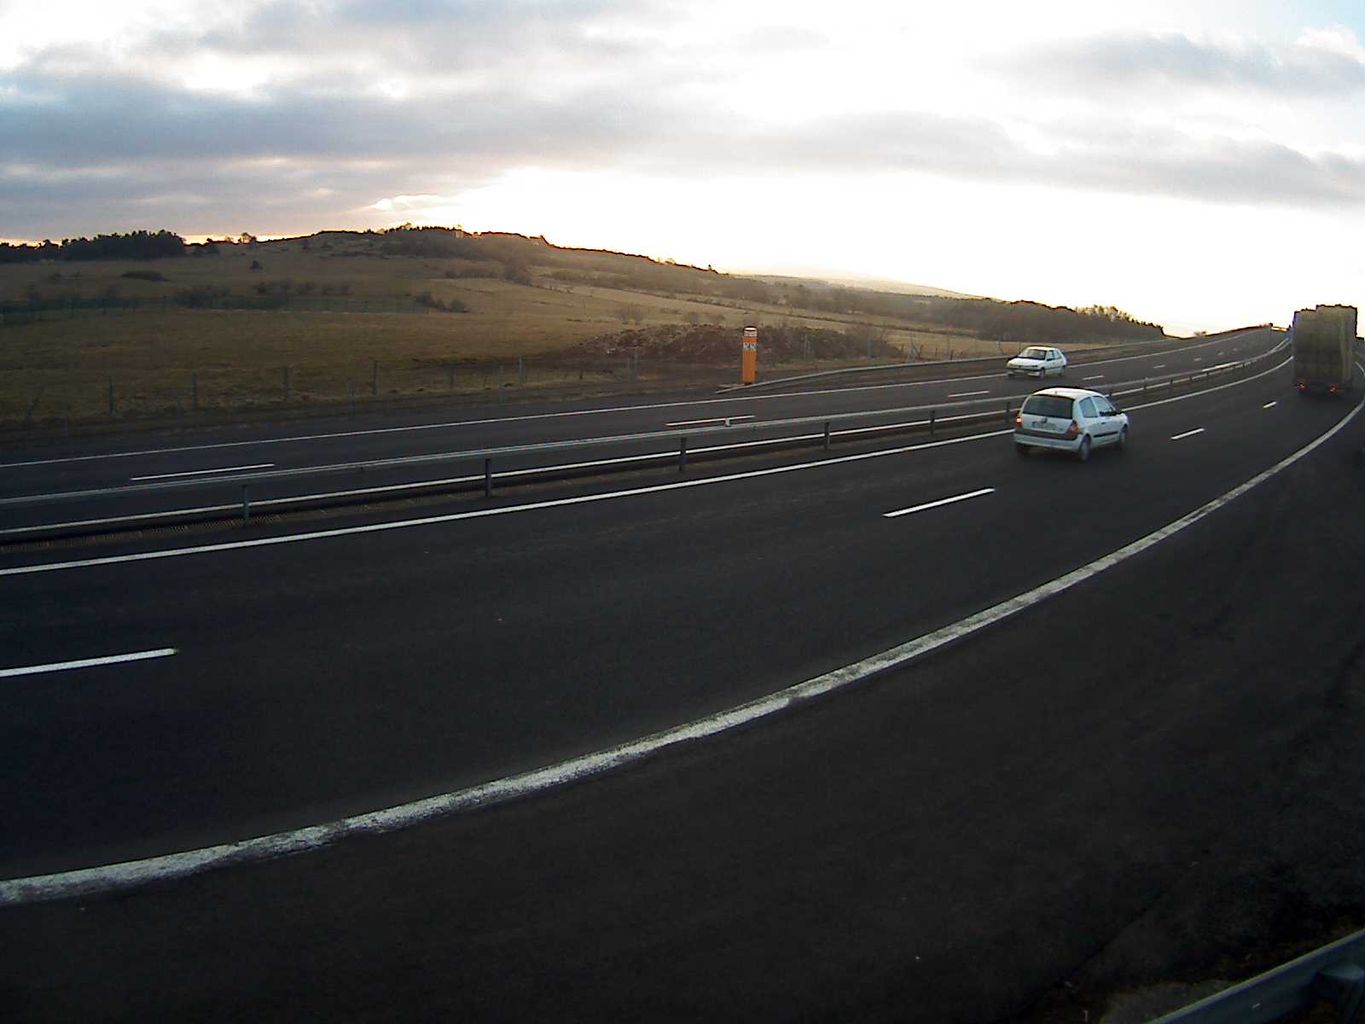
<point x="748" y="365"/>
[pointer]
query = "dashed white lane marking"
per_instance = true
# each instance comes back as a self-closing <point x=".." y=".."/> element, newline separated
<point x="561" y="414"/>
<point x="1270" y="405"/>
<point x="1159" y="366"/>
<point x="203" y="472"/>
<point x="711" y="420"/>
<point x="936" y="504"/>
<point x="109" y="877"/>
<point x="66" y="666"/>
<point x="1188" y="433"/>
<point x="969" y="394"/>
<point x="1098" y="376"/>
<point x="483" y="513"/>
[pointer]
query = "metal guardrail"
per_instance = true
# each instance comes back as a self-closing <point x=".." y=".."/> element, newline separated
<point x="825" y="435"/>
<point x="1331" y="974"/>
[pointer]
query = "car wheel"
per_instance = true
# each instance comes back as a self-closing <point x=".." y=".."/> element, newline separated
<point x="1122" y="443"/>
<point x="1083" y="452"/>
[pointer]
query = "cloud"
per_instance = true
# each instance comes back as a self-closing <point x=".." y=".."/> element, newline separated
<point x="1320" y="63"/>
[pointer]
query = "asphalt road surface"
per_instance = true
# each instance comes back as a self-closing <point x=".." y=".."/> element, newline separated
<point x="945" y="841"/>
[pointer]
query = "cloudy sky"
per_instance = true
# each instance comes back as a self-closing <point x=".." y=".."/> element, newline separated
<point x="1200" y="163"/>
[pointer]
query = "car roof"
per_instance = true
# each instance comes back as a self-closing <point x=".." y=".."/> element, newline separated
<point x="1068" y="393"/>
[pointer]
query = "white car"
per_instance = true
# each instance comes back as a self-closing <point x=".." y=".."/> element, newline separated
<point x="1069" y="420"/>
<point x="1037" y="361"/>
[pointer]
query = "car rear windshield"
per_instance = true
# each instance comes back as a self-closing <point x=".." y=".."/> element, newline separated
<point x="1048" y="405"/>
<point x="1033" y="353"/>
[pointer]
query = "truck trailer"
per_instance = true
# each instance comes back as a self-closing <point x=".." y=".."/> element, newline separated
<point x="1323" y="340"/>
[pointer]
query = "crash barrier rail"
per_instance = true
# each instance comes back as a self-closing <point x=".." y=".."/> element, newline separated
<point x="680" y="453"/>
<point x="1331" y="974"/>
<point x="988" y="363"/>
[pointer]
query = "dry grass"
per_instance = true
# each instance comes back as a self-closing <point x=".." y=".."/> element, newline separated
<point x="168" y="359"/>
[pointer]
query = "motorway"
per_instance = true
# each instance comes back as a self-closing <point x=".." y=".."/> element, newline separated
<point x="327" y="664"/>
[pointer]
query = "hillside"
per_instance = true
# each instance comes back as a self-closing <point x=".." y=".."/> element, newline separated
<point x="142" y="324"/>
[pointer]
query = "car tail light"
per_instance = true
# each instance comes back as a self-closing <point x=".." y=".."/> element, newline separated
<point x="1301" y="385"/>
<point x="1018" y="420"/>
<point x="1074" y="429"/>
<point x="1332" y="389"/>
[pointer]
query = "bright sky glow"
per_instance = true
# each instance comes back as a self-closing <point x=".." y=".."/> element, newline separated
<point x="1199" y="163"/>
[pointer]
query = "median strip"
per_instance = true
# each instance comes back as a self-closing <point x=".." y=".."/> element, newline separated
<point x="113" y="877"/>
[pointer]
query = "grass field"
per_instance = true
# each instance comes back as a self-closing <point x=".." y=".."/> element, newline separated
<point x="357" y="327"/>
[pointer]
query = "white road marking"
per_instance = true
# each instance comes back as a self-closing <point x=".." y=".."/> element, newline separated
<point x="727" y="420"/>
<point x="562" y="414"/>
<point x="66" y="666"/>
<point x="1159" y="366"/>
<point x="112" y="877"/>
<point x="1098" y="376"/>
<point x="203" y="472"/>
<point x="936" y="504"/>
<point x="1270" y="405"/>
<point x="969" y="394"/>
<point x="1188" y="433"/>
<point x="582" y="499"/>
<point x="507" y="474"/>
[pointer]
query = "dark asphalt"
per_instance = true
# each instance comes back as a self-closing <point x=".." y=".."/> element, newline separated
<point x="335" y="676"/>
<point x="57" y="467"/>
<point x="1160" y="761"/>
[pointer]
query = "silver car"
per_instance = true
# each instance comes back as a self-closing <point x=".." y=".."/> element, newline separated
<point x="1069" y="420"/>
<point x="1037" y="361"/>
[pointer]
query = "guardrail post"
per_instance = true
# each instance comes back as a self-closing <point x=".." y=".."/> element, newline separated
<point x="682" y="454"/>
<point x="488" y="478"/>
<point x="1007" y="412"/>
<point x="1343" y="985"/>
<point x="826" y="435"/>
<point x="932" y="413"/>
<point x="246" y="507"/>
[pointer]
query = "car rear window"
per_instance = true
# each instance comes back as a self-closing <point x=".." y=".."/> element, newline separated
<point x="1033" y="353"/>
<point x="1048" y="405"/>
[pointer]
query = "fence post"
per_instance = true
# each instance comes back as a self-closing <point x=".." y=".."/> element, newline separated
<point x="488" y="478"/>
<point x="826" y="435"/>
<point x="682" y="454"/>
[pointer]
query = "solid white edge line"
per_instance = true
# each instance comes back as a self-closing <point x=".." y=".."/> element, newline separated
<point x="272" y="502"/>
<point x="66" y="666"/>
<point x="562" y="414"/>
<point x="1188" y="433"/>
<point x="936" y="504"/>
<point x="483" y="513"/>
<point x="111" y="877"/>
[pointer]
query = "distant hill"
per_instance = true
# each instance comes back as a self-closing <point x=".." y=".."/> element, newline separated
<point x="875" y="284"/>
